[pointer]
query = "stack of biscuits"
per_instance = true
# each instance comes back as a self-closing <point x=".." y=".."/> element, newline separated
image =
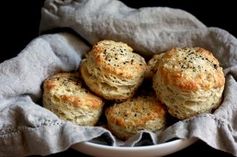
<point x="184" y="82"/>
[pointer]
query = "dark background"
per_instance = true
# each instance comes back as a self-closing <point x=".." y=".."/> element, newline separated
<point x="20" y="22"/>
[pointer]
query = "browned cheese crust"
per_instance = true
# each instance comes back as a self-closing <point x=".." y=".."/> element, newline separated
<point x="140" y="113"/>
<point x="189" y="81"/>
<point x="112" y="70"/>
<point x="65" y="95"/>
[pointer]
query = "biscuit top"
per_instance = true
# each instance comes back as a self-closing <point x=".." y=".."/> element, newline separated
<point x="67" y="87"/>
<point x="117" y="58"/>
<point x="191" y="69"/>
<point x="136" y="112"/>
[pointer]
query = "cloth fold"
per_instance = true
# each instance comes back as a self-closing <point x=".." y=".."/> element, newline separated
<point x="148" y="31"/>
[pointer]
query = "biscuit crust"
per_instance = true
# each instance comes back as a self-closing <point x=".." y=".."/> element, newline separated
<point x="112" y="70"/>
<point x="65" y="95"/>
<point x="141" y="113"/>
<point x="189" y="81"/>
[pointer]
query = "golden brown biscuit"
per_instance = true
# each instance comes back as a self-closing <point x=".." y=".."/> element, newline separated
<point x="151" y="66"/>
<point x="67" y="98"/>
<point x="189" y="81"/>
<point x="112" y="70"/>
<point x="142" y="113"/>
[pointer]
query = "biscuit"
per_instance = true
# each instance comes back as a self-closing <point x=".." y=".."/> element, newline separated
<point x="65" y="95"/>
<point x="189" y="81"/>
<point x="141" y="113"/>
<point x="112" y="70"/>
<point x="151" y="66"/>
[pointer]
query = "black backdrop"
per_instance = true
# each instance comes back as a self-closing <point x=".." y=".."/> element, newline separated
<point x="20" y="22"/>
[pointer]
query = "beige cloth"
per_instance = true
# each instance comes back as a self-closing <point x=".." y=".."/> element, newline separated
<point x="25" y="125"/>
